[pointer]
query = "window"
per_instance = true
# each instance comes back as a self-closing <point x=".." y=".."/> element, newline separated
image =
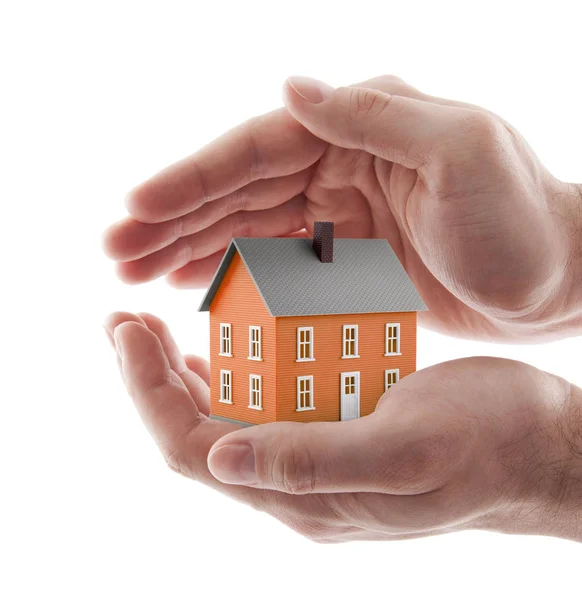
<point x="392" y="377"/>
<point x="304" y="344"/>
<point x="305" y="393"/>
<point x="350" y="344"/>
<point x="226" y="387"/>
<point x="255" y="343"/>
<point x="392" y="338"/>
<point x="349" y="384"/>
<point x="255" y="393"/>
<point x="225" y="340"/>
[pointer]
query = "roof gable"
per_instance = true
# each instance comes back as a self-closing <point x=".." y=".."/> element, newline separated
<point x="364" y="277"/>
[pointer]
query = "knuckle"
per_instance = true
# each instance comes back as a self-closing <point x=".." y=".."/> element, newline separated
<point x="255" y="166"/>
<point x="187" y="249"/>
<point x="235" y="202"/>
<point x="145" y="388"/>
<point x="480" y="125"/>
<point x="182" y="453"/>
<point x="365" y="103"/>
<point x="412" y="154"/>
<point x="178" y="228"/>
<point x="393" y="80"/>
<point x="176" y="463"/>
<point x="293" y="470"/>
<point x="395" y="85"/>
<point x="388" y="83"/>
<point x="201" y="183"/>
<point x="241" y="226"/>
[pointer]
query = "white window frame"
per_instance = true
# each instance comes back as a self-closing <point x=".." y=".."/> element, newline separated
<point x="397" y="338"/>
<point x="306" y="344"/>
<point x="259" y="345"/>
<point x="225" y="398"/>
<point x="391" y="372"/>
<point x="311" y="401"/>
<point x="225" y="327"/>
<point x="345" y="329"/>
<point x="259" y="389"/>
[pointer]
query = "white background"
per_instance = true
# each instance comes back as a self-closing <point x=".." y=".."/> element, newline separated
<point x="97" y="96"/>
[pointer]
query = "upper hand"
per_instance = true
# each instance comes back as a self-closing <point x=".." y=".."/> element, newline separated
<point x="478" y="443"/>
<point x="466" y="205"/>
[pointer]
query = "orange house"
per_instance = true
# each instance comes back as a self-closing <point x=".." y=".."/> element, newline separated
<point x="308" y="330"/>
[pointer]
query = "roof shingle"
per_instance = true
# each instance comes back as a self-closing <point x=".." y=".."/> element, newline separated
<point x="364" y="277"/>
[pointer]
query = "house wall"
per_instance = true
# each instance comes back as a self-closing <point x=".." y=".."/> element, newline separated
<point x="238" y="302"/>
<point x="328" y="363"/>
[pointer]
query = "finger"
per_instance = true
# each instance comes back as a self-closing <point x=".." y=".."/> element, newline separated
<point x="196" y="274"/>
<point x="199" y="273"/>
<point x="164" y="403"/>
<point x="398" y="129"/>
<point x="183" y="435"/>
<point x="395" y="86"/>
<point x="197" y="387"/>
<point x="130" y="239"/>
<point x="273" y="222"/>
<point x="272" y="145"/>
<point x="115" y="319"/>
<point x="362" y="455"/>
<point x="200" y="366"/>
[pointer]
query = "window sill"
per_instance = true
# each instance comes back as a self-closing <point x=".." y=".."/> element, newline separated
<point x="226" y="401"/>
<point x="305" y="409"/>
<point x="394" y="354"/>
<point x="304" y="359"/>
<point x="255" y="358"/>
<point x="223" y="354"/>
<point x="354" y="356"/>
<point x="256" y="407"/>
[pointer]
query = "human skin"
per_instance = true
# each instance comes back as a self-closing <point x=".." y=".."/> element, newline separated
<point x="492" y="241"/>
<point x="479" y="443"/>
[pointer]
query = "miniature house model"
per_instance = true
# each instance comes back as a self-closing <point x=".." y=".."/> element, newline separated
<point x="308" y="330"/>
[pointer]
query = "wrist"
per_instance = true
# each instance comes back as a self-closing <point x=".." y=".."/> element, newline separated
<point x="545" y="496"/>
<point x="567" y="499"/>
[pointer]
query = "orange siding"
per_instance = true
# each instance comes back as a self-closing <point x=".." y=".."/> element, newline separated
<point x="238" y="302"/>
<point x="328" y="364"/>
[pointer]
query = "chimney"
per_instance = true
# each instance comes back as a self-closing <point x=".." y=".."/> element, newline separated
<point x="323" y="240"/>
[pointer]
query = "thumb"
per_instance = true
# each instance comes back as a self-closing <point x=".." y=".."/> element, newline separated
<point x="301" y="458"/>
<point x="399" y="129"/>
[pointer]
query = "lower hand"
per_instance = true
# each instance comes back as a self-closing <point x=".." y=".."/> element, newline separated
<point x="480" y="443"/>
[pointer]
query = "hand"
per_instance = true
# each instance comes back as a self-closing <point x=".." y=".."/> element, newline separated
<point x="490" y="239"/>
<point x="480" y="443"/>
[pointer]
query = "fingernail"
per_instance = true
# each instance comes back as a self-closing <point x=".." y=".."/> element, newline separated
<point x="312" y="90"/>
<point x="234" y="463"/>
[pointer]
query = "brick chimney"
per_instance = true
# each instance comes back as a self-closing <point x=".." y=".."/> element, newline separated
<point x="323" y="240"/>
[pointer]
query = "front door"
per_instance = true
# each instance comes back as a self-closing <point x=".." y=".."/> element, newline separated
<point x="350" y="395"/>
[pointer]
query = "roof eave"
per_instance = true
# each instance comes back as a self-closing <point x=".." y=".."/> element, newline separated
<point x="217" y="279"/>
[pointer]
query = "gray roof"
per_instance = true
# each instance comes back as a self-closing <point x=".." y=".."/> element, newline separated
<point x="364" y="277"/>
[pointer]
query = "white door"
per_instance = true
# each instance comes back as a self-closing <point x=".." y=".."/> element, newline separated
<point x="350" y="395"/>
